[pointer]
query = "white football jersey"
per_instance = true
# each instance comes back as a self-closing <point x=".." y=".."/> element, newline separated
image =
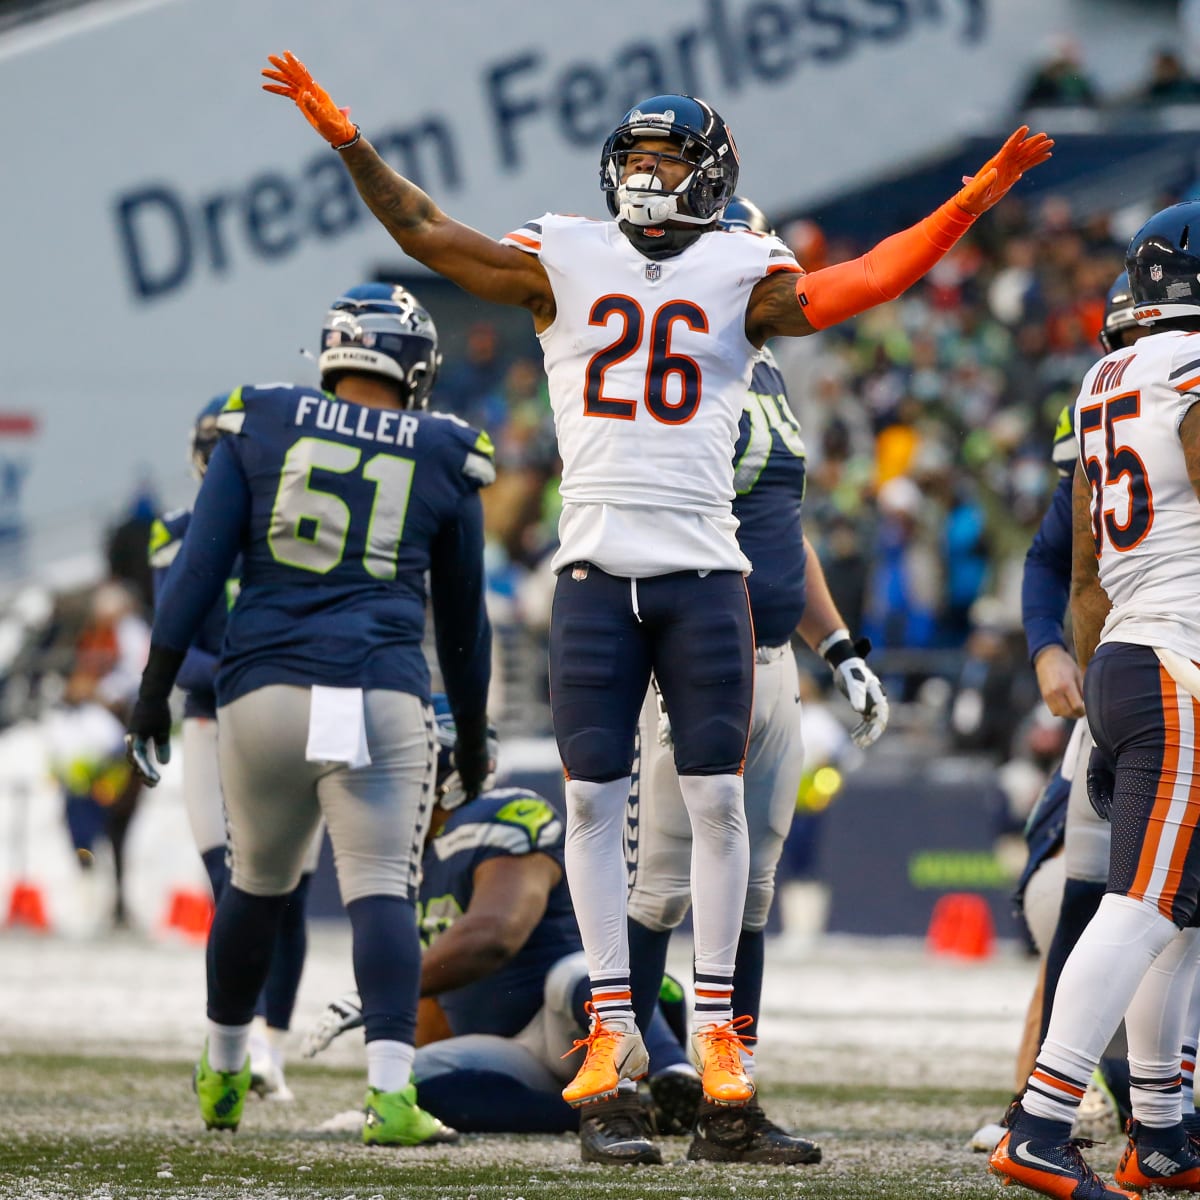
<point x="1145" y="515"/>
<point x="648" y="366"/>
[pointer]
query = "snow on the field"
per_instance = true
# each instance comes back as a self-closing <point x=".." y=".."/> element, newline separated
<point x="835" y="1010"/>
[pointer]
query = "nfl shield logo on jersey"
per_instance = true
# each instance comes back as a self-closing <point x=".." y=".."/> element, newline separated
<point x="653" y="272"/>
<point x="1156" y="272"/>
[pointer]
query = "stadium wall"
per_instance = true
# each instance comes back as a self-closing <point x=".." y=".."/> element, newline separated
<point x="169" y="231"/>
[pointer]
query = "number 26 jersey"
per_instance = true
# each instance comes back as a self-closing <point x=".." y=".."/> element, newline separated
<point x="1145" y="518"/>
<point x="648" y="365"/>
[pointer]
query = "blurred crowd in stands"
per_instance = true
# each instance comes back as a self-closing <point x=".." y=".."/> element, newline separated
<point x="928" y="424"/>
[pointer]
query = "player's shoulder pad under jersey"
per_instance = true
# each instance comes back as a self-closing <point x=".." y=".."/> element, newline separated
<point x="513" y="821"/>
<point x="480" y="462"/>
<point x="1184" y="375"/>
<point x="257" y="398"/>
<point x="530" y="812"/>
<point x="1065" y="449"/>
<point x="166" y="536"/>
<point x="530" y="236"/>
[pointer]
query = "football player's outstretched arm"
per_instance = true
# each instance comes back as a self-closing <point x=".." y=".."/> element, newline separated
<point x="1089" y="602"/>
<point x="789" y="305"/>
<point x="477" y="263"/>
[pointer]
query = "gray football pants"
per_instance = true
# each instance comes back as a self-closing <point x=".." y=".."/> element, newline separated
<point x="660" y="865"/>
<point x="377" y="815"/>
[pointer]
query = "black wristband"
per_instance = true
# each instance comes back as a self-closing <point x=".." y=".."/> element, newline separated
<point x="351" y="142"/>
<point x="159" y="676"/>
<point x="846" y="648"/>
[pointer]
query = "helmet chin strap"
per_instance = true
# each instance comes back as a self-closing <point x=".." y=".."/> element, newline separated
<point x="638" y="204"/>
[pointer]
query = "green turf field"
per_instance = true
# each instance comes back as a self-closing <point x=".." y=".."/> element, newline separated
<point x="112" y="1128"/>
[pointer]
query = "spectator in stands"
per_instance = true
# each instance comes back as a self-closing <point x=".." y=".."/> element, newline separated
<point x="1060" y="80"/>
<point x="1170" y="81"/>
<point x="470" y="386"/>
<point x="127" y="543"/>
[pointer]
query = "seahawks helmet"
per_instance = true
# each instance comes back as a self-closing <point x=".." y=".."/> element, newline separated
<point x="381" y="329"/>
<point x="741" y="213"/>
<point x="1118" y="315"/>
<point x="704" y="144"/>
<point x="449" y="794"/>
<point x="1164" y="269"/>
<point x="205" y="435"/>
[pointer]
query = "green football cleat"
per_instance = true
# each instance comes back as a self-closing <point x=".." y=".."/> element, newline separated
<point x="222" y="1094"/>
<point x="393" y="1119"/>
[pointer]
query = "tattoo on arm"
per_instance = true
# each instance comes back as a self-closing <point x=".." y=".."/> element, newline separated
<point x="399" y="204"/>
<point x="1089" y="603"/>
<point x="774" y="309"/>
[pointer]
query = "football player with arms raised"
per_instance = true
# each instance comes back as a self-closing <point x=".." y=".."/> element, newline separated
<point x="650" y="324"/>
<point x="1135" y="593"/>
<point x="788" y="594"/>
<point x="340" y="502"/>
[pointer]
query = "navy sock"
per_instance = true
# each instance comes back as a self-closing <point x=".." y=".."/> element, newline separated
<point x="240" y="945"/>
<point x="1040" y="1129"/>
<point x="492" y="1102"/>
<point x="1079" y="903"/>
<point x="218" y="871"/>
<point x="647" y="962"/>
<point x="1168" y="1139"/>
<point x="748" y="977"/>
<point x="278" y="998"/>
<point x="387" y="965"/>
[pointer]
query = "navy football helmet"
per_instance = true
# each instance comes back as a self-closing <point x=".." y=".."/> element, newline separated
<point x="1118" y="315"/>
<point x="205" y="435"/>
<point x="449" y="792"/>
<point x="741" y="213"/>
<point x="381" y="329"/>
<point x="704" y="144"/>
<point x="1164" y="270"/>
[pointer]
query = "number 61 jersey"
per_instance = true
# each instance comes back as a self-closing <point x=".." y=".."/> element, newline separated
<point x="339" y="511"/>
<point x="648" y="365"/>
<point x="1145" y="517"/>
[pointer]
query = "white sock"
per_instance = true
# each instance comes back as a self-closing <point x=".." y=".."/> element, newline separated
<point x="1155" y="1026"/>
<point x="276" y="1040"/>
<point x="596" y="873"/>
<point x="720" y="867"/>
<point x="389" y="1065"/>
<point x="227" y="1046"/>
<point x="1097" y="985"/>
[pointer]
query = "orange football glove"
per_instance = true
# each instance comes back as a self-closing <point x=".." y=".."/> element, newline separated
<point x="1002" y="170"/>
<point x="293" y="81"/>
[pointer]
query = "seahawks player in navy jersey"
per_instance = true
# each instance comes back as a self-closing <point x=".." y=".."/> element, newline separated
<point x="202" y="785"/>
<point x="503" y="978"/>
<point x="788" y="595"/>
<point x="340" y="502"/>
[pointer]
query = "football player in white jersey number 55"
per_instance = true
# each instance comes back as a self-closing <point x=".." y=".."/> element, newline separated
<point x="650" y="324"/>
<point x="1135" y="606"/>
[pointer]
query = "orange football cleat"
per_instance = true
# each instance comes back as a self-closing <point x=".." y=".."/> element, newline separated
<point x="612" y="1055"/>
<point x="1052" y="1168"/>
<point x="717" y="1055"/>
<point x="1143" y="1166"/>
